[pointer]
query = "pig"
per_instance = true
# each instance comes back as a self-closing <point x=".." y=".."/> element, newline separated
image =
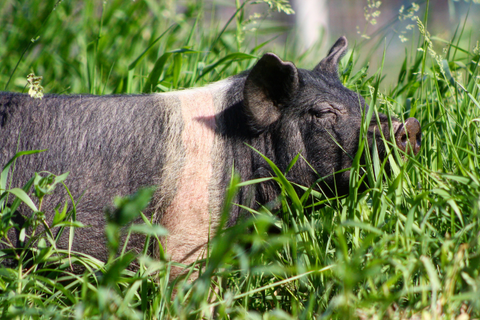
<point x="187" y="142"/>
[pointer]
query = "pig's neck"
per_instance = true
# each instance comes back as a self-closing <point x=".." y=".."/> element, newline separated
<point x="214" y="139"/>
<point x="235" y="147"/>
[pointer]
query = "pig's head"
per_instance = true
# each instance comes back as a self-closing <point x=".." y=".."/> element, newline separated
<point x="312" y="113"/>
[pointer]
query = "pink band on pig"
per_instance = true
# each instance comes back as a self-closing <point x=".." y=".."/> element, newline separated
<point x="189" y="209"/>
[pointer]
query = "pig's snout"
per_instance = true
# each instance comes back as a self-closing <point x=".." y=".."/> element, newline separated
<point x="409" y="135"/>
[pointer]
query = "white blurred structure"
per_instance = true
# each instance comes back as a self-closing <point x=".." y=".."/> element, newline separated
<point x="311" y="20"/>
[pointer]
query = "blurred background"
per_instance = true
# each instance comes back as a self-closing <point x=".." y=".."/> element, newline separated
<point x="374" y="25"/>
<point x="112" y="46"/>
<point x="315" y="19"/>
<point x="389" y="24"/>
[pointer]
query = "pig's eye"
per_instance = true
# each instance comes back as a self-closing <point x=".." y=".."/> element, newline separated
<point x="322" y="112"/>
<point x="316" y="113"/>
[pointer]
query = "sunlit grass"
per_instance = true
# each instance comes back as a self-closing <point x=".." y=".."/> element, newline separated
<point x="407" y="246"/>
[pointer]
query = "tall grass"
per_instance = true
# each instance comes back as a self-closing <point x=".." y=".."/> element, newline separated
<point x="408" y="247"/>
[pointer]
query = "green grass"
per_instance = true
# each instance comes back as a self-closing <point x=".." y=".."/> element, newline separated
<point x="408" y="246"/>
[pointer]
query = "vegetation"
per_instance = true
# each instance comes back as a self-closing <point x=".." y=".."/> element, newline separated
<point x="408" y="247"/>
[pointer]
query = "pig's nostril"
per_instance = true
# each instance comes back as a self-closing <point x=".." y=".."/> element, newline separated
<point x="409" y="136"/>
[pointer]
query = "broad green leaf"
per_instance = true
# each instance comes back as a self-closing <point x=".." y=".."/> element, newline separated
<point x="19" y="193"/>
<point x="152" y="230"/>
<point x="6" y="168"/>
<point x="362" y="225"/>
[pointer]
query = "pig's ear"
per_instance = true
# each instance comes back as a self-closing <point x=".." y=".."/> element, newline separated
<point x="330" y="63"/>
<point x="269" y="85"/>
